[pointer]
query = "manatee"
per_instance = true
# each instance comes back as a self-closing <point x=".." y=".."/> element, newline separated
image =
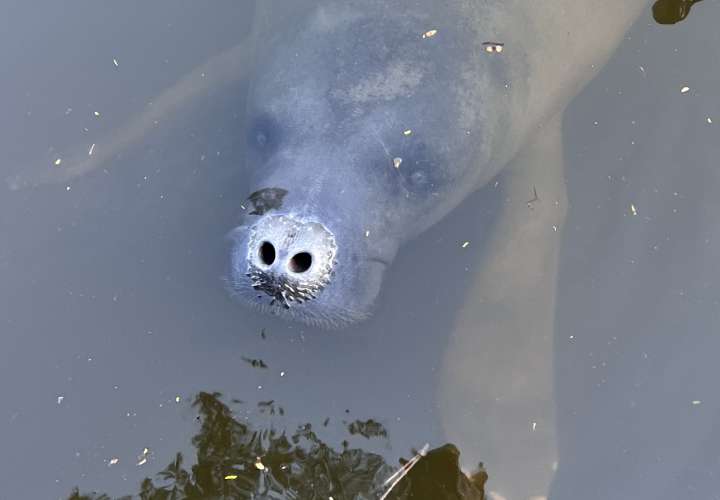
<point x="376" y="119"/>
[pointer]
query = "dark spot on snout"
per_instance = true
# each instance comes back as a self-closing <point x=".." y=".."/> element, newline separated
<point x="266" y="199"/>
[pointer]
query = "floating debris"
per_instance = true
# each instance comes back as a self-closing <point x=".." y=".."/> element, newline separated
<point x="115" y="62"/>
<point x="113" y="461"/>
<point x="397" y="476"/>
<point x="58" y="162"/>
<point x="96" y="113"/>
<point x="407" y="132"/>
<point x="269" y="407"/>
<point x="633" y="209"/>
<point x="684" y="90"/>
<point x="92" y="148"/>
<point x="709" y="120"/>
<point x="696" y="402"/>
<point x="255" y="363"/>
<point x="493" y="47"/>
<point x="367" y="234"/>
<point x="60" y="399"/>
<point x="397" y="162"/>
<point x="230" y="477"/>
<point x="143" y="457"/>
<point x="259" y="465"/>
<point x="177" y="399"/>
<point x="534" y="425"/>
<point x="429" y="34"/>
<point x="465" y="244"/>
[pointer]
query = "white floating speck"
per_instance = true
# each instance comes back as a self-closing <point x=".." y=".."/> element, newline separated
<point x="555" y="228"/>
<point x="113" y="461"/>
<point x="465" y="244"/>
<point x="429" y="34"/>
<point x="67" y="188"/>
<point x="367" y="234"/>
<point x="58" y="161"/>
<point x="60" y="399"/>
<point x="282" y="374"/>
<point x="92" y="148"/>
<point x="259" y="465"/>
<point x="115" y="62"/>
<point x="493" y="47"/>
<point x="143" y="457"/>
<point x="177" y="399"/>
<point x="407" y="132"/>
<point x="633" y="209"/>
<point x="231" y="477"/>
<point x="534" y="425"/>
<point x="96" y="113"/>
<point x="397" y="162"/>
<point x="684" y="89"/>
<point x="696" y="402"/>
<point x="709" y="120"/>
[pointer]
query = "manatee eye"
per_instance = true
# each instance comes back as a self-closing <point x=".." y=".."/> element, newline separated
<point x="261" y="138"/>
<point x="263" y="134"/>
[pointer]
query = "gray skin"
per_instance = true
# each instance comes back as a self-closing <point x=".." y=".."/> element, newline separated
<point x="341" y="182"/>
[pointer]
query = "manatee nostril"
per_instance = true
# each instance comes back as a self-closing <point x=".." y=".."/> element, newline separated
<point x="300" y="262"/>
<point x="267" y="253"/>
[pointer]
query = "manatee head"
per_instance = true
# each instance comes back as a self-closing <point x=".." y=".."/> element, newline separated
<point x="362" y="132"/>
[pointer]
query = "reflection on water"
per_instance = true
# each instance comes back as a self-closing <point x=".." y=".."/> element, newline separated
<point x="238" y="460"/>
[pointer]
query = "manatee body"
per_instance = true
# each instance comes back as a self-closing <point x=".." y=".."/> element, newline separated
<point x="368" y="122"/>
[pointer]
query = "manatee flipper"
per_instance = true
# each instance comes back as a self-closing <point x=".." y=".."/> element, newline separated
<point x="228" y="66"/>
<point x="496" y="384"/>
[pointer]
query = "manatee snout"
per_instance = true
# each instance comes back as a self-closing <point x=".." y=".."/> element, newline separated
<point x="289" y="260"/>
<point x="300" y="269"/>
